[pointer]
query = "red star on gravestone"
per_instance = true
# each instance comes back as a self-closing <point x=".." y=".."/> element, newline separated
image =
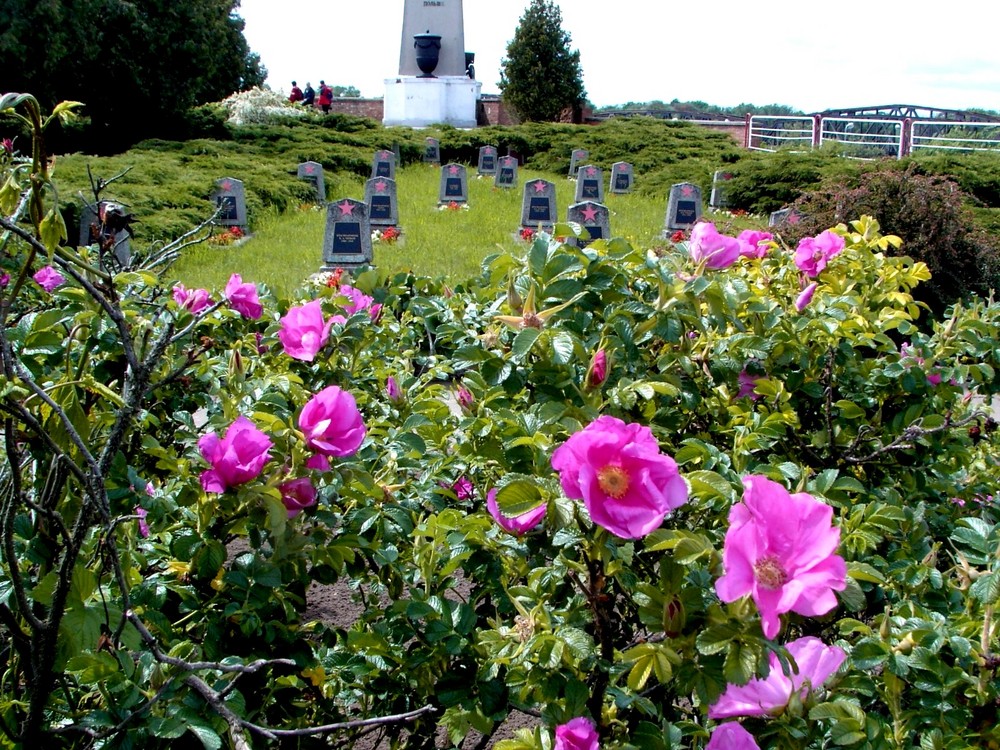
<point x="578" y="154"/>
<point x="687" y="190"/>
<point x="489" y="150"/>
<point x="384" y="155"/>
<point x="793" y="218"/>
<point x="589" y="213"/>
<point x="453" y="169"/>
<point x="346" y="209"/>
<point x="380" y="187"/>
<point x="621" y="167"/>
<point x="539" y="187"/>
<point x="310" y="169"/>
<point x="727" y="176"/>
<point x="591" y="171"/>
<point x="226" y="185"/>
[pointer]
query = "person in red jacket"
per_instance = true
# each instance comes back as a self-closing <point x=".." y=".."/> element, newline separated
<point x="296" y="95"/>
<point x="325" y="96"/>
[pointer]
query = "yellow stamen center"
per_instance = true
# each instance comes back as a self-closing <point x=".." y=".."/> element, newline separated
<point x="613" y="481"/>
<point x="769" y="574"/>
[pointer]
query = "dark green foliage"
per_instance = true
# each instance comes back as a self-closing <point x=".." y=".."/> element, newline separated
<point x="138" y="67"/>
<point x="541" y="76"/>
<point x="928" y="212"/>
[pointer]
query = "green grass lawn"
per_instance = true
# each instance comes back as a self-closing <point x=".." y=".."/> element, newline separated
<point x="286" y="248"/>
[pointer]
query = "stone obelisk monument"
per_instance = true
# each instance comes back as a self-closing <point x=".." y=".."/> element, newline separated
<point x="447" y="94"/>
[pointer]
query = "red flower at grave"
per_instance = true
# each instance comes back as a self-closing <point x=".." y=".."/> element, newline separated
<point x="527" y="234"/>
<point x="677" y="236"/>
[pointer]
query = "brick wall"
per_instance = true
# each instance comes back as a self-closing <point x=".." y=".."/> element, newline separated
<point x="372" y="108"/>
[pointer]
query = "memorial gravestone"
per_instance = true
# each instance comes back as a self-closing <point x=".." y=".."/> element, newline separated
<point x="622" y="176"/>
<point x="312" y="171"/>
<point x="578" y="156"/>
<point x="538" y="207"/>
<point x="432" y="151"/>
<point x="590" y="184"/>
<point x="719" y="197"/>
<point x="380" y="197"/>
<point x="784" y="216"/>
<point x="230" y="200"/>
<point x="487" y="160"/>
<point x="594" y="217"/>
<point x="454" y="184"/>
<point x="347" y="240"/>
<point x="506" y="172"/>
<point x="384" y="164"/>
<point x="98" y="226"/>
<point x="683" y="206"/>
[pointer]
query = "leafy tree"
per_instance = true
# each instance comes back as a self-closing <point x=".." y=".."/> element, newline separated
<point x="541" y="75"/>
<point x="351" y="91"/>
<point x="136" y="66"/>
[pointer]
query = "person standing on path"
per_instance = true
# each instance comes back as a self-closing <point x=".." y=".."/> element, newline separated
<point x="308" y="95"/>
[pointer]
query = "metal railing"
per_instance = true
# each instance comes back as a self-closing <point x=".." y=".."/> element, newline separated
<point x="954" y="136"/>
<point x="863" y="138"/>
<point x="772" y="132"/>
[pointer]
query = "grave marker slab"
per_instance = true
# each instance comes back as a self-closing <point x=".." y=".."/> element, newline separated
<point x="622" y="177"/>
<point x="577" y="158"/>
<point x="784" y="216"/>
<point x="538" y="207"/>
<point x="454" y="184"/>
<point x="230" y="199"/>
<point x="590" y="184"/>
<point x="347" y="239"/>
<point x="506" y="172"/>
<point x="594" y="217"/>
<point x="432" y="151"/>
<point x="487" y="160"/>
<point x="380" y="197"/>
<point x="683" y="206"/>
<point x="384" y="164"/>
<point x="720" y="197"/>
<point x="312" y="171"/>
<point x="97" y="227"/>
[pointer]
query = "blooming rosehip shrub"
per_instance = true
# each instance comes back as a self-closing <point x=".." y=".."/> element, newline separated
<point x="633" y="550"/>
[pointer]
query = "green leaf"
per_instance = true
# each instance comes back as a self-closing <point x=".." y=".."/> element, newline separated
<point x="52" y="229"/>
<point x="519" y="497"/>
<point x="986" y="588"/>
<point x="708" y="485"/>
<point x="714" y="639"/>
<point x="91" y="668"/>
<point x="562" y="348"/>
<point x="860" y="571"/>
<point x="208" y="736"/>
<point x="741" y="663"/>
<point x="523" y="341"/>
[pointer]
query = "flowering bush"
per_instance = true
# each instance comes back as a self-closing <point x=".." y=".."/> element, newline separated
<point x="259" y="106"/>
<point x="387" y="236"/>
<point x="226" y="236"/>
<point x="634" y="563"/>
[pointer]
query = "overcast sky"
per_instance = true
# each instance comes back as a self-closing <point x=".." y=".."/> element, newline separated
<point x="807" y="55"/>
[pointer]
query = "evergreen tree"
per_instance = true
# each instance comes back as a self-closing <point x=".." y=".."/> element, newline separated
<point x="137" y="66"/>
<point x="541" y="75"/>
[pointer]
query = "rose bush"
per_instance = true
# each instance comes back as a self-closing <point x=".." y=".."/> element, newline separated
<point x="646" y="612"/>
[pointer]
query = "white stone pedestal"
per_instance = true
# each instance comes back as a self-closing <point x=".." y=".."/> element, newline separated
<point x="419" y="102"/>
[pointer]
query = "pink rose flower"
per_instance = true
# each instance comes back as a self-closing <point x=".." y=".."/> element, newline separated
<point x="617" y="469"/>
<point x="303" y="331"/>
<point x="731" y="736"/>
<point x="813" y="253"/>
<point x="392" y="390"/>
<point x="597" y="373"/>
<point x="235" y="459"/>
<point x="754" y="243"/>
<point x="48" y="278"/>
<point x="356" y="299"/>
<point x="779" y="549"/>
<point x="465" y="398"/>
<point x="297" y="495"/>
<point x="318" y="461"/>
<point x="816" y="662"/>
<point x="715" y="250"/>
<point x="192" y="300"/>
<point x="803" y="300"/>
<point x="513" y="524"/>
<point x="748" y="385"/>
<point x="577" y="734"/>
<point x="332" y="423"/>
<point x="4" y="280"/>
<point x="143" y="525"/>
<point x="243" y="297"/>
<point x="463" y="488"/>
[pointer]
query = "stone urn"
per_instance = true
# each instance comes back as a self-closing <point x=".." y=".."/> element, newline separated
<point x="428" y="48"/>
